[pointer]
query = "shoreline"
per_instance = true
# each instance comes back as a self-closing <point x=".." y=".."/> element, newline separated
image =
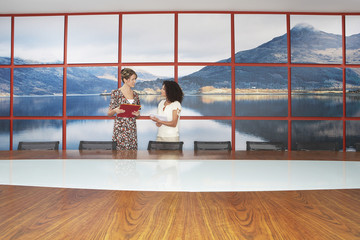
<point x="214" y="93"/>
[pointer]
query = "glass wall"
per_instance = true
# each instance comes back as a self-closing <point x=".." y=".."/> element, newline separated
<point x="246" y="76"/>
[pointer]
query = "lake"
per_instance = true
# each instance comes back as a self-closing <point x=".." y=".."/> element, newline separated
<point x="190" y="130"/>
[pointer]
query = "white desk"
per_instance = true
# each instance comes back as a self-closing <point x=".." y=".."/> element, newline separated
<point x="182" y="175"/>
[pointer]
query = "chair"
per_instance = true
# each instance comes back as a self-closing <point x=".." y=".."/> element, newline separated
<point x="317" y="146"/>
<point x="212" y="145"/>
<point x="264" y="146"/>
<point x="357" y="147"/>
<point x="47" y="145"/>
<point x="158" y="145"/>
<point x="97" y="145"/>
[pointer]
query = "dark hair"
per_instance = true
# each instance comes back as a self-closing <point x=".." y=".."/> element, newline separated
<point x="126" y="73"/>
<point x="173" y="91"/>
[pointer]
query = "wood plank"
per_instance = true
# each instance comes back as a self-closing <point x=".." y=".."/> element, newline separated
<point x="56" y="213"/>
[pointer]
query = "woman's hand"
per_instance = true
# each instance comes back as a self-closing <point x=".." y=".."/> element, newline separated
<point x="118" y="110"/>
<point x="137" y="113"/>
<point x="115" y="111"/>
<point x="156" y="120"/>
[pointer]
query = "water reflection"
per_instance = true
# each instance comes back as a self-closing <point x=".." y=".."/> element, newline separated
<point x="352" y="105"/>
<point x="316" y="131"/>
<point x="38" y="106"/>
<point x="4" y="106"/>
<point x="190" y="130"/>
<point x="261" y="105"/>
<point x="4" y="134"/>
<point x="352" y="134"/>
<point x="37" y="130"/>
<point x="317" y="105"/>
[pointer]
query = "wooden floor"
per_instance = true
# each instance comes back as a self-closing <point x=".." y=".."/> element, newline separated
<point x="59" y="213"/>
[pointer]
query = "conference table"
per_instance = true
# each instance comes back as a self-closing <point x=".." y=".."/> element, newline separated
<point x="100" y="194"/>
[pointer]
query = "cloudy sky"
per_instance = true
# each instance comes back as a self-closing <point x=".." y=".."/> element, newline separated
<point x="150" y="37"/>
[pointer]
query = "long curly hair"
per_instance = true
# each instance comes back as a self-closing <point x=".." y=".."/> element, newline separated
<point x="173" y="91"/>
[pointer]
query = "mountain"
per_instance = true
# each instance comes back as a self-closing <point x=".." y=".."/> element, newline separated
<point x="308" y="45"/>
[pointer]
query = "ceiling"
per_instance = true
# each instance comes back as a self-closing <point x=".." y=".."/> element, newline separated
<point x="88" y="6"/>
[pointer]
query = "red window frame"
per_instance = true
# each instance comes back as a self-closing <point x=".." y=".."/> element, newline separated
<point x="176" y="64"/>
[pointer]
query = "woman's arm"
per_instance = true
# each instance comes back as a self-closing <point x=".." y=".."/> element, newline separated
<point x="171" y="123"/>
<point x="111" y="112"/>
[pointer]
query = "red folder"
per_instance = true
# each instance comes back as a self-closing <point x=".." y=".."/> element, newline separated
<point x="129" y="108"/>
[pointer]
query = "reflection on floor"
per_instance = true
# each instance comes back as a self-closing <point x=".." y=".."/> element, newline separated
<point x="182" y="175"/>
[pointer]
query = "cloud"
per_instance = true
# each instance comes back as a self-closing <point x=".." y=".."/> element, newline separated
<point x="252" y="30"/>
<point x="208" y="40"/>
<point x="329" y="24"/>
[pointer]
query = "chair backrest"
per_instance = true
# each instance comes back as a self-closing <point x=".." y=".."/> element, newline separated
<point x="159" y="145"/>
<point x="212" y="145"/>
<point x="357" y="147"/>
<point x="46" y="145"/>
<point x="317" y="146"/>
<point x="97" y="145"/>
<point x="264" y="146"/>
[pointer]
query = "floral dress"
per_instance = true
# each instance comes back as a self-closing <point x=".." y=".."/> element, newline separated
<point x="124" y="132"/>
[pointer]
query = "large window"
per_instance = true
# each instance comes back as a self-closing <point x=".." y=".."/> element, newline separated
<point x="280" y="77"/>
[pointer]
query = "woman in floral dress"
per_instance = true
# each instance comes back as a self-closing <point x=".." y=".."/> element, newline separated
<point x="124" y="132"/>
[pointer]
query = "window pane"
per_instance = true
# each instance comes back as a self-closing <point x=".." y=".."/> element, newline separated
<point x="4" y="135"/>
<point x="316" y="92"/>
<point x="316" y="39"/>
<point x="352" y="134"/>
<point x="38" y="91"/>
<point x="39" y="40"/>
<point x="352" y="92"/>
<point x="87" y="130"/>
<point x="88" y="90"/>
<point x="148" y="38"/>
<point x="204" y="37"/>
<point x="261" y="91"/>
<point x="260" y="38"/>
<point x="5" y="40"/>
<point x="316" y="131"/>
<point x="198" y="130"/>
<point x="260" y="130"/>
<point x="207" y="91"/>
<point x="4" y="92"/>
<point x="93" y="39"/>
<point x="352" y="29"/>
<point x="37" y="130"/>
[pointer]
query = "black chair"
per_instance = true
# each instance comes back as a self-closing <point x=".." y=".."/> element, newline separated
<point x="159" y="145"/>
<point x="212" y="145"/>
<point x="264" y="146"/>
<point x="357" y="147"/>
<point x="317" y="146"/>
<point x="46" y="145"/>
<point x="97" y="145"/>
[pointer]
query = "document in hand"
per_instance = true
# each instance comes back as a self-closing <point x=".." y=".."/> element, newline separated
<point x="162" y="118"/>
<point x="129" y="108"/>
